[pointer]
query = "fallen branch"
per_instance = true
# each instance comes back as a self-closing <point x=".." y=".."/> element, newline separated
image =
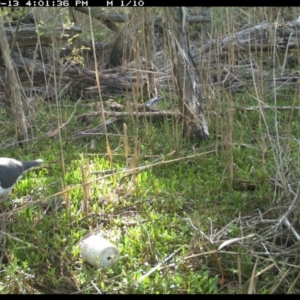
<point x="255" y="108"/>
<point x="159" y="265"/>
<point x="116" y="114"/>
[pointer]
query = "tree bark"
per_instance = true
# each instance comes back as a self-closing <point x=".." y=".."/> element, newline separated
<point x="123" y="50"/>
<point x="12" y="90"/>
<point x="100" y="15"/>
<point x="148" y="39"/>
<point x="186" y="77"/>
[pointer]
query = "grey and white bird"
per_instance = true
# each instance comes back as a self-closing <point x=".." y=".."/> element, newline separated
<point x="10" y="171"/>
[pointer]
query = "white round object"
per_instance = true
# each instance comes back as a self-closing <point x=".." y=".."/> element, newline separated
<point x="99" y="252"/>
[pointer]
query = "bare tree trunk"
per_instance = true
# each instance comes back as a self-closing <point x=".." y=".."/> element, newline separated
<point x="184" y="70"/>
<point x="122" y="49"/>
<point x="12" y="91"/>
<point x="148" y="39"/>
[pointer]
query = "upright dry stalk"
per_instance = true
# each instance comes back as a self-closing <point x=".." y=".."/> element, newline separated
<point x="85" y="186"/>
<point x="229" y="146"/>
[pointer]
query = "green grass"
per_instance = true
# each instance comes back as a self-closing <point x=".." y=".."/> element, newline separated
<point x="148" y="214"/>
